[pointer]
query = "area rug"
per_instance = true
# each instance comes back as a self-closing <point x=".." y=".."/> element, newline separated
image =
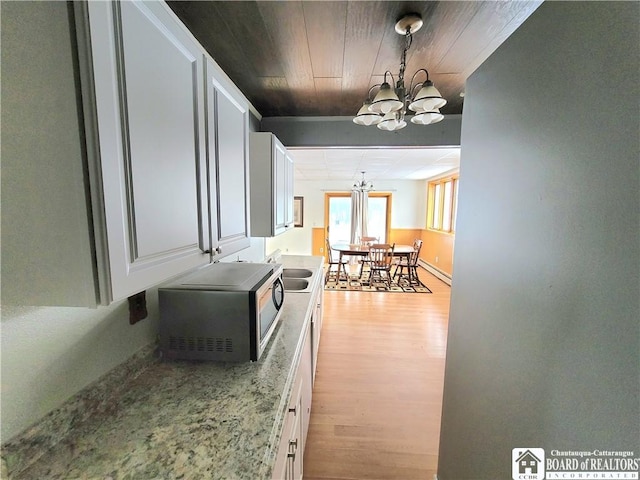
<point x="357" y="284"/>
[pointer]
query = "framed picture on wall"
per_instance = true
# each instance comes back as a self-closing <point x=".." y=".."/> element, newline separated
<point x="298" y="211"/>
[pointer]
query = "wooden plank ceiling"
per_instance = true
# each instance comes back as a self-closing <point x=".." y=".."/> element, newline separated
<point x="319" y="58"/>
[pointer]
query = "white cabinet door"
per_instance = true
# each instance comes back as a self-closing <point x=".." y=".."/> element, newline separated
<point x="289" y="191"/>
<point x="227" y="145"/>
<point x="271" y="185"/>
<point x="316" y="329"/>
<point x="148" y="76"/>
<point x="288" y="463"/>
<point x="280" y="159"/>
<point x="304" y="371"/>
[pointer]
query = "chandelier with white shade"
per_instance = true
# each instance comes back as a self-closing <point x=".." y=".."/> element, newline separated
<point x="388" y="109"/>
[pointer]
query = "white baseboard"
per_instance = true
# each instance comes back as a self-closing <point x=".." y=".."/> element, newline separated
<point x="434" y="271"/>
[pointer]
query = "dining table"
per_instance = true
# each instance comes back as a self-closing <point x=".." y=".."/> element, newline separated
<point x="360" y="250"/>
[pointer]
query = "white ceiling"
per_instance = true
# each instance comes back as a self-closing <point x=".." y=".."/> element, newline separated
<point x="378" y="163"/>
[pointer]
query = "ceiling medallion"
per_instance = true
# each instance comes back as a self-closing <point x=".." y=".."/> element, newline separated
<point x="389" y="107"/>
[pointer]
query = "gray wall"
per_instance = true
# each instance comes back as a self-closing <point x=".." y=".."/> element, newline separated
<point x="545" y="316"/>
<point x="342" y="132"/>
<point x="45" y="219"/>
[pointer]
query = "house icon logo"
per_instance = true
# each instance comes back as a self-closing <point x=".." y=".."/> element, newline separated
<point x="527" y="464"/>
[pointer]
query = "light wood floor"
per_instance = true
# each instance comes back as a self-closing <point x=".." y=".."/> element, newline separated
<point x="377" y="397"/>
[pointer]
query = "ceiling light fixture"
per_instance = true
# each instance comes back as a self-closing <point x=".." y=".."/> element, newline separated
<point x="363" y="185"/>
<point x="389" y="107"/>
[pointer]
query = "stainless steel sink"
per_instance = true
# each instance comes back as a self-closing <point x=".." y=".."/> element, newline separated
<point x="295" y="284"/>
<point x="296" y="273"/>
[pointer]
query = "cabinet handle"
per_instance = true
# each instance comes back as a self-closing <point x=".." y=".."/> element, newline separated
<point x="207" y="251"/>
<point x="293" y="410"/>
<point x="219" y="249"/>
<point x="292" y="454"/>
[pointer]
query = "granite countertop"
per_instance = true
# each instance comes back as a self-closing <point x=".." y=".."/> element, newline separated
<point x="188" y="419"/>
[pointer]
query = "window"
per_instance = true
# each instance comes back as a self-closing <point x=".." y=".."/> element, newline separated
<point x="378" y="217"/>
<point x="339" y="219"/>
<point x="455" y="202"/>
<point x="338" y="216"/>
<point x="437" y="200"/>
<point x="446" y="206"/>
<point x="442" y="207"/>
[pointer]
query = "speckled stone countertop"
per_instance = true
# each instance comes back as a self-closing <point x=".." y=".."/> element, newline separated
<point x="186" y="419"/>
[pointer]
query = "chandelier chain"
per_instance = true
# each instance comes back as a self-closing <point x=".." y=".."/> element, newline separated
<point x="403" y="60"/>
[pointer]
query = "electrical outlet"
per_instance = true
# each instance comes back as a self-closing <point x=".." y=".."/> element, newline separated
<point x="137" y="307"/>
<point x="436" y="259"/>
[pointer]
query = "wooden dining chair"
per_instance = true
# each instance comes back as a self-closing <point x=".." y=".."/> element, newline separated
<point x="380" y="261"/>
<point x="369" y="240"/>
<point x="332" y="262"/>
<point x="410" y="264"/>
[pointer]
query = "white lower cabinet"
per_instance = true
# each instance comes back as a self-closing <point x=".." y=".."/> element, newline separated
<point x="289" y="462"/>
<point x="316" y="328"/>
<point x="305" y="372"/>
<point x="290" y="451"/>
<point x="289" y="459"/>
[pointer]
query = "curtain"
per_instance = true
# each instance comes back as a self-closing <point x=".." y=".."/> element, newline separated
<point x="364" y="229"/>
<point x="359" y="217"/>
<point x="355" y="216"/>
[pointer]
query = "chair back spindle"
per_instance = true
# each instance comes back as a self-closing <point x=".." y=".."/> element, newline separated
<point x="380" y="262"/>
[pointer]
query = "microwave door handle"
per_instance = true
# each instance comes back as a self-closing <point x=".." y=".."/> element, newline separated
<point x="278" y="291"/>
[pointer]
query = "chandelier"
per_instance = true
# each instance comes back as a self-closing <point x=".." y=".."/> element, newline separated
<point x="363" y="185"/>
<point x="389" y="107"/>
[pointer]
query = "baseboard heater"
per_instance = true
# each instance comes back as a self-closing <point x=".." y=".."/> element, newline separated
<point x="434" y="271"/>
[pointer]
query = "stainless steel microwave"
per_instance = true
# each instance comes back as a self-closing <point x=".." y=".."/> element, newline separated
<point x="222" y="312"/>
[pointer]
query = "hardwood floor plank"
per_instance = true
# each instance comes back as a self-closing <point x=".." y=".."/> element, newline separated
<point x="367" y="463"/>
<point x="377" y="397"/>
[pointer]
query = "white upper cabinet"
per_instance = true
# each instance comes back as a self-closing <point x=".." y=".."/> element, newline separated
<point x="280" y="193"/>
<point x="133" y="175"/>
<point x="288" y="219"/>
<point x="271" y="185"/>
<point x="228" y="163"/>
<point x="148" y="77"/>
